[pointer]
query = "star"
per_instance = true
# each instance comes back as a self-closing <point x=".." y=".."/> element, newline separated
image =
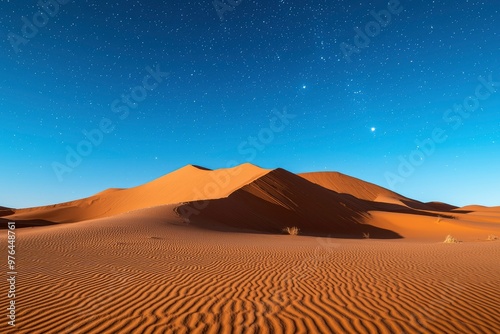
<point x="372" y="129"/>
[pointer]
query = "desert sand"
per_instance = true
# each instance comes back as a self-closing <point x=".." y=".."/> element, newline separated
<point x="201" y="251"/>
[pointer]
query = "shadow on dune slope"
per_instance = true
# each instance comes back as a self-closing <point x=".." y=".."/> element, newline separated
<point x="281" y="199"/>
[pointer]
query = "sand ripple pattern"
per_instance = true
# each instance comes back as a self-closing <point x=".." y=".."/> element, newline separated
<point x="140" y="273"/>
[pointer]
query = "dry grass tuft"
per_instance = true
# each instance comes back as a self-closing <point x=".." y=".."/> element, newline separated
<point x="450" y="240"/>
<point x="492" y="237"/>
<point x="291" y="230"/>
<point x="366" y="235"/>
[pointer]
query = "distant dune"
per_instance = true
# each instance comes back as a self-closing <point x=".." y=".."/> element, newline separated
<point x="5" y="211"/>
<point x="480" y="208"/>
<point x="345" y="184"/>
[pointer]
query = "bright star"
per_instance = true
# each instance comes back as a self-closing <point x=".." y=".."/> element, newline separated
<point x="304" y="87"/>
<point x="373" y="129"/>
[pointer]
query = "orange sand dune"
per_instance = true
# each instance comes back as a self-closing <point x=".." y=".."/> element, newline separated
<point x="463" y="227"/>
<point x="149" y="272"/>
<point x="345" y="184"/>
<point x="280" y="199"/>
<point x="480" y="208"/>
<point x="189" y="183"/>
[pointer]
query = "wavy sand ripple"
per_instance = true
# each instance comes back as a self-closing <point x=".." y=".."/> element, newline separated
<point x="147" y="272"/>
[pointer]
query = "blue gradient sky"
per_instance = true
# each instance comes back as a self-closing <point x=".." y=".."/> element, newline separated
<point x="227" y="79"/>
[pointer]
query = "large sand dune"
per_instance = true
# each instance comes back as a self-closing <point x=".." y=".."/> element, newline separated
<point x="189" y="183"/>
<point x="280" y="199"/>
<point x="201" y="251"/>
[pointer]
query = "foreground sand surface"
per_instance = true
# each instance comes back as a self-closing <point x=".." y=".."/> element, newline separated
<point x="149" y="271"/>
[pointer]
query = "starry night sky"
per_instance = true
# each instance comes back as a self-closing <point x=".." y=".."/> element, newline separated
<point x="231" y="71"/>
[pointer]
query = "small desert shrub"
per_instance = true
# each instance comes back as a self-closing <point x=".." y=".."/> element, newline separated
<point x="492" y="237"/>
<point x="366" y="235"/>
<point x="292" y="230"/>
<point x="450" y="240"/>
